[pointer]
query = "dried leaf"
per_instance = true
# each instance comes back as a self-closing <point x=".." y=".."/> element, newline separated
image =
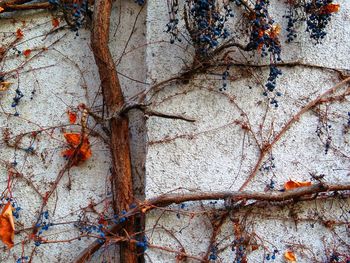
<point x="295" y="184"/>
<point x="19" y="33"/>
<point x="72" y="117"/>
<point x="254" y="247"/>
<point x="79" y="148"/>
<point x="55" y="22"/>
<point x="274" y="31"/>
<point x="27" y="52"/>
<point x="73" y="139"/>
<point x="5" y="85"/>
<point x="1" y="9"/>
<point x="290" y="256"/>
<point x="7" y="226"/>
<point x="330" y="8"/>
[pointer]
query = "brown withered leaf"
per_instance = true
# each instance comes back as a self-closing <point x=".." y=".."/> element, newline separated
<point x="7" y="226"/>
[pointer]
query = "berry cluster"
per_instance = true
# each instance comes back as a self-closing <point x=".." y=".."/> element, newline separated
<point x="319" y="14"/>
<point x="268" y="165"/>
<point x="264" y="38"/>
<point x="140" y="2"/>
<point x="86" y="228"/>
<point x="213" y="253"/>
<point x="142" y="243"/>
<point x="271" y="82"/>
<point x="207" y="24"/>
<point x="29" y="150"/>
<point x="273" y="256"/>
<point x="118" y="219"/>
<point x="264" y="34"/>
<point x="74" y="13"/>
<point x="172" y="25"/>
<point x="14" y="204"/>
<point x="16" y="210"/>
<point x="22" y="259"/>
<point x="205" y="21"/>
<point x="16" y="99"/>
<point x="294" y="16"/>
<point x="42" y="225"/>
<point x="316" y="13"/>
<point x="270" y="186"/>
<point x="225" y="76"/>
<point x="239" y="247"/>
<point x="292" y="33"/>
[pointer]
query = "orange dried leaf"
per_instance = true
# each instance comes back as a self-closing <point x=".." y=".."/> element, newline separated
<point x="330" y="8"/>
<point x="255" y="247"/>
<point x="295" y="184"/>
<point x="68" y="153"/>
<point x="73" y="139"/>
<point x="27" y="52"/>
<point x="19" y="33"/>
<point x="7" y="226"/>
<point x="72" y="117"/>
<point x="5" y="85"/>
<point x="274" y="31"/>
<point x="55" y="22"/>
<point x="79" y="150"/>
<point x="290" y="256"/>
<point x="85" y="151"/>
<point x="1" y="9"/>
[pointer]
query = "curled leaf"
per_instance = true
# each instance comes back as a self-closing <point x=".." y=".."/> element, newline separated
<point x="295" y="184"/>
<point x="73" y="139"/>
<point x="290" y="256"/>
<point x="79" y="148"/>
<point x="1" y="9"/>
<point x="7" y="226"/>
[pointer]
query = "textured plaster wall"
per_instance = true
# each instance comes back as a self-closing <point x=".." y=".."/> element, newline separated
<point x="64" y="76"/>
<point x="216" y="154"/>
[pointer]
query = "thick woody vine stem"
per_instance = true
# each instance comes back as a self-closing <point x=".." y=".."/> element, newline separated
<point x="20" y="5"/>
<point x="119" y="127"/>
<point x="168" y="199"/>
